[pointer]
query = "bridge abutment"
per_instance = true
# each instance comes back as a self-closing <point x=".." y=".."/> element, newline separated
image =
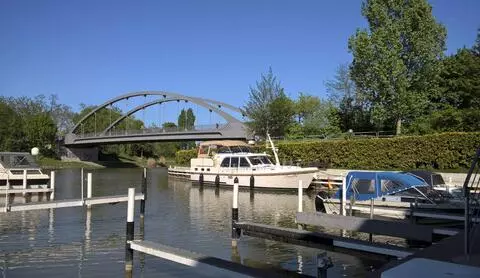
<point x="83" y="153"/>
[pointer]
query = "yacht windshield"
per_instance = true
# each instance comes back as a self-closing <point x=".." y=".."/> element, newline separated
<point x="235" y="149"/>
<point x="259" y="160"/>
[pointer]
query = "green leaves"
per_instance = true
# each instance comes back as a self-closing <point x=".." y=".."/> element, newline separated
<point x="395" y="62"/>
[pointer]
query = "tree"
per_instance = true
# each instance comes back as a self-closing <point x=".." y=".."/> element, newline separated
<point x="306" y="105"/>
<point x="353" y="108"/>
<point x="476" y="46"/>
<point x="323" y="121"/>
<point x="186" y="120"/>
<point x="460" y="80"/>
<point x="258" y="107"/>
<point x="395" y="62"/>
<point x="11" y="128"/>
<point x="281" y="111"/>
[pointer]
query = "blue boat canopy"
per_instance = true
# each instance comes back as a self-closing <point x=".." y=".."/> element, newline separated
<point x="372" y="185"/>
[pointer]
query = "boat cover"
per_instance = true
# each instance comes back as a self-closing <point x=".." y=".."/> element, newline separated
<point x="371" y="185"/>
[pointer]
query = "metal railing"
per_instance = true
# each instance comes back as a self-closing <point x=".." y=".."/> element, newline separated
<point x="123" y="132"/>
<point x="472" y="202"/>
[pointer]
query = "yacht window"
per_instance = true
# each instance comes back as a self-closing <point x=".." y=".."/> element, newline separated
<point x="225" y="162"/>
<point x="363" y="186"/>
<point x="390" y="185"/>
<point x="244" y="162"/>
<point x="255" y="160"/>
<point x="265" y="160"/>
<point x="234" y="162"/>
<point x="224" y="150"/>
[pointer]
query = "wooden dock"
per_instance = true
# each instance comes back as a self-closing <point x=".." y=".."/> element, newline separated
<point x="320" y="240"/>
<point x="193" y="259"/>
<point x="70" y="203"/>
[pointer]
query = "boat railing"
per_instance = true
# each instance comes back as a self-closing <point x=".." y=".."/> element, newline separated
<point x="472" y="202"/>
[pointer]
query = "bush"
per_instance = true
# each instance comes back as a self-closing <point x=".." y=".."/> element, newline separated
<point x="437" y="151"/>
<point x="183" y="157"/>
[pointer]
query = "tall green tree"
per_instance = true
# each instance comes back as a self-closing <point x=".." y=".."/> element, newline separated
<point x="186" y="119"/>
<point x="281" y="111"/>
<point x="11" y="128"/>
<point x="259" y="105"/>
<point x="306" y="105"/>
<point x="396" y="61"/>
<point x="353" y="107"/>
<point x="460" y="80"/>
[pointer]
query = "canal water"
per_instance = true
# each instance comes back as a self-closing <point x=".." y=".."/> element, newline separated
<point x="72" y="242"/>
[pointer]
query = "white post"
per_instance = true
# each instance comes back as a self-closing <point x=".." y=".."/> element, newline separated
<point x="89" y="187"/>
<point x="300" y="196"/>
<point x="81" y="183"/>
<point x="344" y="196"/>
<point x="235" y="196"/>
<point x="52" y="185"/>
<point x="131" y="204"/>
<point x="24" y="181"/>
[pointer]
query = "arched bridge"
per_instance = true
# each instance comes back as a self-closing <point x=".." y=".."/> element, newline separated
<point x="89" y="132"/>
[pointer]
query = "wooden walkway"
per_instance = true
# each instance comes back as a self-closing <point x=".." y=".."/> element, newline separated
<point x="192" y="259"/>
<point x="70" y="203"/>
<point x="321" y="240"/>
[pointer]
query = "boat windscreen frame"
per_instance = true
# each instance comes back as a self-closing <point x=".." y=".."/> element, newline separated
<point x="399" y="182"/>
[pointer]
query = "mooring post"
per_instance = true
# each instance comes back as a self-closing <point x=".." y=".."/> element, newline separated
<point x="323" y="263"/>
<point x="24" y="181"/>
<point x="89" y="188"/>
<point x="130" y="230"/>
<point x="144" y="192"/>
<point x="344" y="196"/>
<point x="300" y="196"/>
<point x="370" y="236"/>
<point x="81" y="182"/>
<point x="200" y="179"/>
<point x="52" y="185"/>
<point x="235" y="232"/>
<point x="252" y="182"/>
<point x="217" y="180"/>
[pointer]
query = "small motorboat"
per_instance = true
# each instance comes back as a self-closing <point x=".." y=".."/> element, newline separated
<point x="392" y="194"/>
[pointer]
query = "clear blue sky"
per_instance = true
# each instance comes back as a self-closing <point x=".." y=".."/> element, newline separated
<point x="90" y="51"/>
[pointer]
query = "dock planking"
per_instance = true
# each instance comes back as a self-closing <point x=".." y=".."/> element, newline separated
<point x="320" y="240"/>
<point x="373" y="226"/>
<point x="71" y="203"/>
<point x="194" y="259"/>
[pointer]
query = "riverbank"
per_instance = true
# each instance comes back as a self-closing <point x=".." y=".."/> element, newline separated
<point x="120" y="162"/>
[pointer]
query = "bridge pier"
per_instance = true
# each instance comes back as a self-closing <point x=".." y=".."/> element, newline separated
<point x="83" y="153"/>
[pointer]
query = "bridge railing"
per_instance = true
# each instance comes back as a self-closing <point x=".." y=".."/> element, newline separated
<point x="123" y="132"/>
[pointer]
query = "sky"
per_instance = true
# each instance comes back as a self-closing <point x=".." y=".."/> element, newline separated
<point x="91" y="51"/>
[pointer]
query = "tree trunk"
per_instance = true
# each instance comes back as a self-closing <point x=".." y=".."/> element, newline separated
<point x="399" y="127"/>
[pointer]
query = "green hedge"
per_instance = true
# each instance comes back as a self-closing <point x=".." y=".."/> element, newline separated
<point x="436" y="151"/>
<point x="183" y="157"/>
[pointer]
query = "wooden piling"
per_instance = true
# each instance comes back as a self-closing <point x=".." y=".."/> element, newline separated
<point x="144" y="192"/>
<point x="344" y="196"/>
<point x="52" y="185"/>
<point x="370" y="236"/>
<point x="252" y="182"/>
<point x="89" y="188"/>
<point x="300" y="196"/>
<point x="235" y="232"/>
<point x="24" y="181"/>
<point x="130" y="231"/>
<point x="217" y="180"/>
<point x="200" y="179"/>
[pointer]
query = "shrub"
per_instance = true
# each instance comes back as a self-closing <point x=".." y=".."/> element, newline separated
<point x="436" y="151"/>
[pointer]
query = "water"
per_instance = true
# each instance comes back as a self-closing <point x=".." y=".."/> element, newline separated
<point x="71" y="242"/>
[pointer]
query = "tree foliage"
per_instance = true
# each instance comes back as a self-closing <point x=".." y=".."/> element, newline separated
<point x="259" y="105"/>
<point x="186" y="119"/>
<point x="395" y="63"/>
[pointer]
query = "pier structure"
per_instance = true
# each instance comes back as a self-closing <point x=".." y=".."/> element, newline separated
<point x="87" y="201"/>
